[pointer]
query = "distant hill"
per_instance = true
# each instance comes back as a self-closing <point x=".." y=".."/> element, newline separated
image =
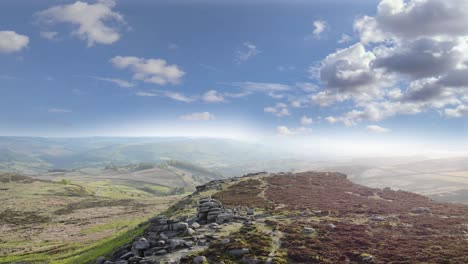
<point x="30" y="155"/>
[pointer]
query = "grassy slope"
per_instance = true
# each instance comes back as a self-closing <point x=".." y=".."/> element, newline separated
<point x="88" y="226"/>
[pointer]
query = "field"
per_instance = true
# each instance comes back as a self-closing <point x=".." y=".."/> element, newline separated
<point x="65" y="221"/>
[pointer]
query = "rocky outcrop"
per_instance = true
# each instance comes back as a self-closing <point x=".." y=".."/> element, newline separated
<point x="165" y="236"/>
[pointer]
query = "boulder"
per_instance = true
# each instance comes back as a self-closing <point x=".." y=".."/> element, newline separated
<point x="176" y="243"/>
<point x="189" y="232"/>
<point x="180" y="226"/>
<point x="224" y="217"/>
<point x="142" y="243"/>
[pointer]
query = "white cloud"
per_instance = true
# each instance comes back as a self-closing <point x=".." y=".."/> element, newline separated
<point x="307" y="87"/>
<point x="377" y="129"/>
<point x="279" y="110"/>
<point x="213" y="96"/>
<point x="155" y="71"/>
<point x="119" y="82"/>
<point x="94" y="23"/>
<point x="58" y="110"/>
<point x="306" y="121"/>
<point x="319" y="27"/>
<point x="199" y="116"/>
<point x="284" y="131"/>
<point x="238" y="95"/>
<point x="415" y="19"/>
<point x="412" y="58"/>
<point x="247" y="52"/>
<point x="11" y="41"/>
<point x="344" y="39"/>
<point x="459" y="111"/>
<point x="146" y="94"/>
<point x="180" y="97"/>
<point x="262" y="87"/>
<point x="50" y="35"/>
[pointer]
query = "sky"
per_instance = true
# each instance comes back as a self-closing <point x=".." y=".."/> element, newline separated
<point x="341" y="71"/>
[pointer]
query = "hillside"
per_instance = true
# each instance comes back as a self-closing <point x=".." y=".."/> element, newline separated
<point x="44" y="221"/>
<point x="310" y="217"/>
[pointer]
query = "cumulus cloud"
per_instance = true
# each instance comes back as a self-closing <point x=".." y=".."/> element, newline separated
<point x="377" y="129"/>
<point x="198" y="116"/>
<point x="213" y="96"/>
<point x="417" y="18"/>
<point x="247" y="52"/>
<point x="10" y="41"/>
<point x="279" y="110"/>
<point x="306" y="121"/>
<point x="94" y="23"/>
<point x="284" y="131"/>
<point x="319" y="27"/>
<point x="412" y="57"/>
<point x="155" y="71"/>
<point x="459" y="111"/>
<point x="119" y="82"/>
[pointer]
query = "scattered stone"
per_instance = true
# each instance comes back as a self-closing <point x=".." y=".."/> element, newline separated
<point x="309" y="230"/>
<point x="225" y="241"/>
<point x="368" y="259"/>
<point x="199" y="259"/>
<point x="420" y="210"/>
<point x="238" y="252"/>
<point x="377" y="218"/>
<point x="251" y="211"/>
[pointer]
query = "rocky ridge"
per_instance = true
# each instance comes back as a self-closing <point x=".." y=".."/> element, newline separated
<point x="310" y="217"/>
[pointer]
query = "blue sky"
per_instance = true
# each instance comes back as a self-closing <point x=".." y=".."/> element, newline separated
<point x="304" y="69"/>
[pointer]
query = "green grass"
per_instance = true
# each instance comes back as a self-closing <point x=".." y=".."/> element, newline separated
<point x="114" y="225"/>
<point x="80" y="254"/>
